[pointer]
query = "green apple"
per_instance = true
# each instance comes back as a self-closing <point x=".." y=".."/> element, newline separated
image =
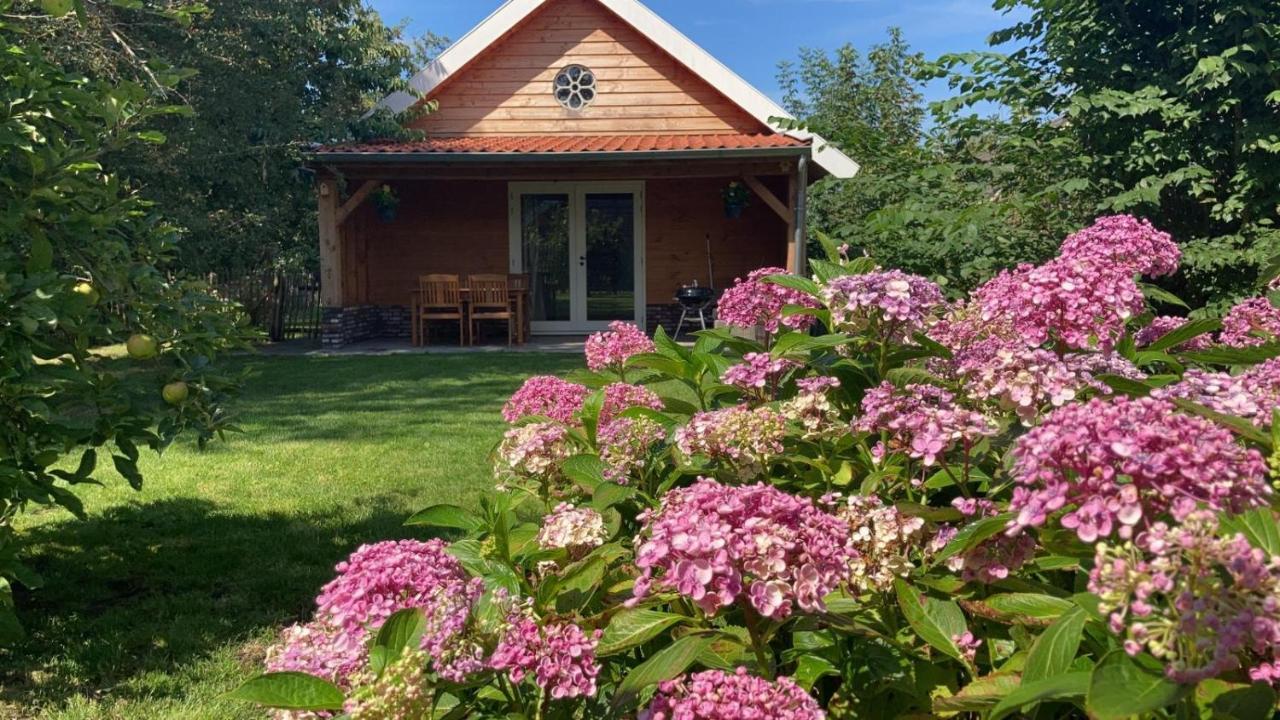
<point x="88" y="292"/>
<point x="176" y="393"/>
<point x="142" y="347"/>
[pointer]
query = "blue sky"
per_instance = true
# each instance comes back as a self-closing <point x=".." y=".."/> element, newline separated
<point x="752" y="36"/>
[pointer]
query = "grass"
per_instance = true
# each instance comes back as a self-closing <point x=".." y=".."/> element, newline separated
<point x="164" y="600"/>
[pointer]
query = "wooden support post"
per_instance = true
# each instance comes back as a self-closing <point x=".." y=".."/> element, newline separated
<point x="800" y="231"/>
<point x="793" y="196"/>
<point x="330" y="245"/>
<point x="357" y="198"/>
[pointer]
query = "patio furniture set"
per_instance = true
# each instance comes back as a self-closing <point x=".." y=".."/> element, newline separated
<point x="484" y="298"/>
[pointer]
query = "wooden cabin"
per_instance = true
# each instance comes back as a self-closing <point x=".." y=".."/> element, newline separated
<point x="584" y="145"/>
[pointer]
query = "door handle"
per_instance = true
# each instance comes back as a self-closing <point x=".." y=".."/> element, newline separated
<point x="582" y="261"/>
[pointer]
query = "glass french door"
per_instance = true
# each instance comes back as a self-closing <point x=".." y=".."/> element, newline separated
<point x="582" y="246"/>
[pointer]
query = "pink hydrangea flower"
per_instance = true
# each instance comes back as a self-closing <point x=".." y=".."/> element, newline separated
<point x="533" y="452"/>
<point x="993" y="559"/>
<point x="1078" y="303"/>
<point x="891" y="302"/>
<point x="922" y="420"/>
<point x="883" y="541"/>
<point x="718" y="545"/>
<point x="401" y="692"/>
<point x="756" y="302"/>
<point x="546" y="396"/>
<point x="376" y="582"/>
<point x="757" y="373"/>
<point x="619" y="397"/>
<point x="1127" y="242"/>
<point x="1029" y="381"/>
<point x="1121" y="462"/>
<point x="559" y="656"/>
<point x="625" y="446"/>
<point x="813" y="410"/>
<point x="1253" y="395"/>
<point x="1164" y="325"/>
<point x="1251" y="323"/>
<point x="1203" y="604"/>
<point x="968" y="645"/>
<point x="717" y="695"/>
<point x="745" y="438"/>
<point x="610" y="350"/>
<point x="572" y="528"/>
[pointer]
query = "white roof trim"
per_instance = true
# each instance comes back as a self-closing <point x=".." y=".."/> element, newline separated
<point x="659" y="32"/>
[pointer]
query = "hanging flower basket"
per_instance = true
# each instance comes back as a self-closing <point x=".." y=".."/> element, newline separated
<point x="736" y="199"/>
<point x="386" y="203"/>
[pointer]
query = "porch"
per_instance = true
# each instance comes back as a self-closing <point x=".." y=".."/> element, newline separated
<point x="601" y="236"/>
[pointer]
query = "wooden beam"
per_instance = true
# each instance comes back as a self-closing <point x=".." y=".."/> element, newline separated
<point x="330" y="244"/>
<point x="769" y="198"/>
<point x="356" y="199"/>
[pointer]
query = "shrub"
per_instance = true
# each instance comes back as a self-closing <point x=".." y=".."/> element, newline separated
<point x="978" y="508"/>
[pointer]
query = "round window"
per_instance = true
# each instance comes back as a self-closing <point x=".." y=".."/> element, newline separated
<point x="575" y="87"/>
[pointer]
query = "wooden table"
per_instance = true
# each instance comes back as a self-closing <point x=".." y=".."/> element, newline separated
<point x="516" y="298"/>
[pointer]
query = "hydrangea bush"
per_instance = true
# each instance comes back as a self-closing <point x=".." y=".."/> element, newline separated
<point x="1050" y="498"/>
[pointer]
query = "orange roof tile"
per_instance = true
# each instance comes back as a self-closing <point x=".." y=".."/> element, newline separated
<point x="521" y="144"/>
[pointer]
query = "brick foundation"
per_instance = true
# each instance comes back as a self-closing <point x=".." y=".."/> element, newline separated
<point x="343" y="326"/>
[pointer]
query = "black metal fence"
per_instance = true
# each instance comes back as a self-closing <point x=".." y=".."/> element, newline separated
<point x="286" y="306"/>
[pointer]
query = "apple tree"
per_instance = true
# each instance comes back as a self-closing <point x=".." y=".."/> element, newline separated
<point x="86" y="264"/>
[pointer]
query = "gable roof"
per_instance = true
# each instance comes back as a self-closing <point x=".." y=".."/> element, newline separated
<point x="657" y="31"/>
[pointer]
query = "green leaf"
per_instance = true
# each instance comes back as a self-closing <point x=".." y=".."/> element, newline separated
<point x="128" y="469"/>
<point x="1153" y="292"/>
<point x="1120" y="688"/>
<point x="633" y="628"/>
<point x="1233" y="356"/>
<point x="1031" y="605"/>
<point x="812" y="668"/>
<point x="290" y="691"/>
<point x="1237" y="425"/>
<point x="446" y="516"/>
<point x="41" y="257"/>
<point x="934" y="621"/>
<point x="1126" y="386"/>
<point x="401" y="631"/>
<point x="609" y="494"/>
<point x="1067" y="686"/>
<point x="971" y="535"/>
<point x="1260" y="526"/>
<point x="795" y="282"/>
<point x="585" y="471"/>
<point x="57" y="8"/>
<point x="979" y="695"/>
<point x="1227" y="701"/>
<point x="1190" y="331"/>
<point x="153" y="137"/>
<point x="666" y="664"/>
<point x="1056" y="648"/>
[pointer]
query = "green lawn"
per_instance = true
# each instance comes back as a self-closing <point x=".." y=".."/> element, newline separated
<point x="165" y="599"/>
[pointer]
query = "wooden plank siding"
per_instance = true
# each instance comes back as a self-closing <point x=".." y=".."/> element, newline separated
<point x="641" y="89"/>
<point x="461" y="226"/>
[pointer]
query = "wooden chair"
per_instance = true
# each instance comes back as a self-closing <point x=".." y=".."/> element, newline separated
<point x="490" y="300"/>
<point x="440" y="298"/>
<point x="520" y="288"/>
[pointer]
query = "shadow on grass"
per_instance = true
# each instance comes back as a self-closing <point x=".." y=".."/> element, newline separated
<point x="152" y="586"/>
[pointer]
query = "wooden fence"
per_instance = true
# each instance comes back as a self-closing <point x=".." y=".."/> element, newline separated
<point x="286" y="306"/>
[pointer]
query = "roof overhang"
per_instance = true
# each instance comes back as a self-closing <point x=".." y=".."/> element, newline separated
<point x="403" y="158"/>
<point x="658" y="31"/>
